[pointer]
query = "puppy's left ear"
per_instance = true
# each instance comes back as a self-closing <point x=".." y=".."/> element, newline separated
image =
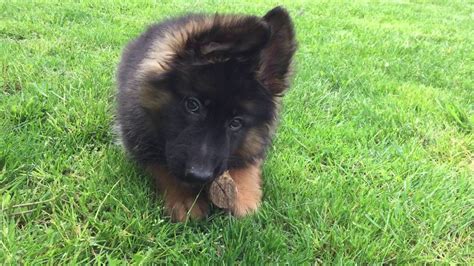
<point x="276" y="57"/>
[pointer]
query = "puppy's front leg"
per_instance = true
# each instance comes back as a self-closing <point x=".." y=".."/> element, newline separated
<point x="180" y="200"/>
<point x="249" y="193"/>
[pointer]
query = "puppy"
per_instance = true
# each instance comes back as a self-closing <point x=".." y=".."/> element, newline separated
<point x="199" y="95"/>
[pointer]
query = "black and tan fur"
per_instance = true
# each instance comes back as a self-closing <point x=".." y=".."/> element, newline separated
<point x="199" y="95"/>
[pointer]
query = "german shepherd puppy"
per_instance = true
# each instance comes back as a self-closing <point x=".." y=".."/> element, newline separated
<point x="199" y="95"/>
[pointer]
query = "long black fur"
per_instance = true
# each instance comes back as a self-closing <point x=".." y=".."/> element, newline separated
<point x="234" y="71"/>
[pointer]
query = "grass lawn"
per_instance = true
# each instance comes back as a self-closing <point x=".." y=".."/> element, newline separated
<point x="373" y="161"/>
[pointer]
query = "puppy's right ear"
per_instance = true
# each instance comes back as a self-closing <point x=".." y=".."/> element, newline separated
<point x="277" y="55"/>
<point x="232" y="36"/>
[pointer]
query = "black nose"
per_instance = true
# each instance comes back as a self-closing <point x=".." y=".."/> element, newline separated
<point x="199" y="175"/>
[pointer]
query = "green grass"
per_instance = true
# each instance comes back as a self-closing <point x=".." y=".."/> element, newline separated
<point x="373" y="161"/>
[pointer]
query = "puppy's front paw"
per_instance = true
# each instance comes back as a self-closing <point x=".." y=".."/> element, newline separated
<point x="246" y="203"/>
<point x="181" y="201"/>
<point x="182" y="207"/>
<point x="248" y="190"/>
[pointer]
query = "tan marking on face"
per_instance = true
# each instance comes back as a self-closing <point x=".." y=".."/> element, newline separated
<point x="252" y="144"/>
<point x="248" y="186"/>
<point x="255" y="139"/>
<point x="154" y="98"/>
<point x="249" y="106"/>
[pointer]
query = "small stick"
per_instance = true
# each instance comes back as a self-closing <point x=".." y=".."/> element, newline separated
<point x="222" y="191"/>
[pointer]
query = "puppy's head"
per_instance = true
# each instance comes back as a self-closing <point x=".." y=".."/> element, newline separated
<point x="211" y="85"/>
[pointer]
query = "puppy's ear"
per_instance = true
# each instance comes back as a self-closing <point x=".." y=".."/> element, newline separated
<point x="276" y="57"/>
<point x="237" y="37"/>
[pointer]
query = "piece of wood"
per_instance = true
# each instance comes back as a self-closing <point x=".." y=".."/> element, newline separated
<point x="222" y="191"/>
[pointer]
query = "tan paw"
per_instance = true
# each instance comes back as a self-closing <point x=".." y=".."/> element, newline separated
<point x="181" y="201"/>
<point x="180" y="209"/>
<point x="249" y="192"/>
<point x="244" y="206"/>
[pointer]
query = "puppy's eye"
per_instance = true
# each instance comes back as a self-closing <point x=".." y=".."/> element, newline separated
<point x="235" y="124"/>
<point x="192" y="105"/>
